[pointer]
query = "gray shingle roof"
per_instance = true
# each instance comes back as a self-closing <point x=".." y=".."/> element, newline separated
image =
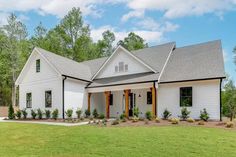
<point x="198" y="61"/>
<point x="67" y="66"/>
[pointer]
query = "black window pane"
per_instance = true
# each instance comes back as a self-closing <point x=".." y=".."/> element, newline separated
<point x="38" y="65"/>
<point x="28" y="100"/>
<point x="111" y="99"/>
<point x="149" y="97"/>
<point x="48" y="99"/>
<point x="186" y="96"/>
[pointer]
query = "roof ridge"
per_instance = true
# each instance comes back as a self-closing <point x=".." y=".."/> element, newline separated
<point x="201" y="43"/>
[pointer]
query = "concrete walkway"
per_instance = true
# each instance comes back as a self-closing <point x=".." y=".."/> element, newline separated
<point x="47" y="123"/>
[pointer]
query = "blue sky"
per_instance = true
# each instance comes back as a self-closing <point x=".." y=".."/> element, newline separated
<point x="185" y="22"/>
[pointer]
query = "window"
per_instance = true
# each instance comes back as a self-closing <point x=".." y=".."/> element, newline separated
<point x="28" y="100"/>
<point x="186" y="96"/>
<point x="111" y="99"/>
<point x="38" y="65"/>
<point x="121" y="66"/>
<point x="149" y="97"/>
<point x="48" y="98"/>
<point x="116" y="69"/>
<point x="126" y="67"/>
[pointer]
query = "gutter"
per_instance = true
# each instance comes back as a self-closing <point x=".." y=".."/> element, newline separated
<point x="76" y="78"/>
<point x="63" y="97"/>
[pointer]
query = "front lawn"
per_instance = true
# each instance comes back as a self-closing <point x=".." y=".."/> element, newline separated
<point x="165" y="141"/>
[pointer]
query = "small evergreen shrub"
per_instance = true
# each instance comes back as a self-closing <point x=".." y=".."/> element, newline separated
<point x="204" y="115"/>
<point x="87" y="113"/>
<point x="166" y="114"/>
<point x="157" y="120"/>
<point x="48" y="114"/>
<point x="122" y="116"/>
<point x="69" y="113"/>
<point x="11" y="114"/>
<point x="174" y="121"/>
<point x="101" y="116"/>
<point x="136" y="112"/>
<point x="190" y="120"/>
<point x="229" y="125"/>
<point x="78" y="113"/>
<point x="39" y="113"/>
<point x="33" y="114"/>
<point x="115" y="122"/>
<point x="148" y="115"/>
<point x="18" y="114"/>
<point x="55" y="114"/>
<point x="184" y="113"/>
<point x="24" y="113"/>
<point x="95" y="113"/>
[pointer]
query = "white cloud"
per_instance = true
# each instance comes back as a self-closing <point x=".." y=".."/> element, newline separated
<point x="180" y="8"/>
<point x="3" y="18"/>
<point x="131" y="14"/>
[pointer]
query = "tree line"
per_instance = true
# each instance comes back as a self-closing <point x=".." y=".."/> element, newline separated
<point x="70" y="38"/>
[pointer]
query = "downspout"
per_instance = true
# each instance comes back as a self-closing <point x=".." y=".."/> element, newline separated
<point x="220" y="101"/>
<point x="154" y="86"/>
<point x="63" y="97"/>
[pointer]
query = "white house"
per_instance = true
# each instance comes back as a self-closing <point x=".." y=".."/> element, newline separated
<point x="152" y="79"/>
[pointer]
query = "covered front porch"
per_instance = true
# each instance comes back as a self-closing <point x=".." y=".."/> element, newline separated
<point x="112" y="101"/>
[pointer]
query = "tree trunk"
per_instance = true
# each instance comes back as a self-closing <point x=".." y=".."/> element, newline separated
<point x="13" y="98"/>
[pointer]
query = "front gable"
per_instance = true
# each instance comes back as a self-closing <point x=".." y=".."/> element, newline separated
<point x="29" y="73"/>
<point x="122" y="62"/>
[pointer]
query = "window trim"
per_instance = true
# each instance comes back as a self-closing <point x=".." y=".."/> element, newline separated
<point x="149" y="93"/>
<point x="30" y="106"/>
<point x="45" y="102"/>
<point x="38" y="65"/>
<point x="180" y="100"/>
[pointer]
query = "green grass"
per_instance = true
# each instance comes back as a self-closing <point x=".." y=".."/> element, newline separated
<point x="43" y="140"/>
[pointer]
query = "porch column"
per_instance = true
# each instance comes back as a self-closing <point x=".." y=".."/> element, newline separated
<point x="127" y="91"/>
<point x="107" y="94"/>
<point x="153" y="100"/>
<point x="89" y="96"/>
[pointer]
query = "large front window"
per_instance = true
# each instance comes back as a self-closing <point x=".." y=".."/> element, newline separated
<point x="28" y="100"/>
<point x="48" y="98"/>
<point x="186" y="96"/>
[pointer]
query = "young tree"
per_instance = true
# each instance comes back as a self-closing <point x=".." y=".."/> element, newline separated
<point x="105" y="46"/>
<point x="38" y="38"/>
<point x="133" y="42"/>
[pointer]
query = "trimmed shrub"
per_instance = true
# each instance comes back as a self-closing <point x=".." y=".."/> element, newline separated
<point x="101" y="116"/>
<point x="33" y="114"/>
<point x="229" y="125"/>
<point x="24" y="113"/>
<point x="122" y="116"/>
<point x="204" y="115"/>
<point x="11" y="114"/>
<point x="201" y="123"/>
<point x="174" y="121"/>
<point x="87" y="113"/>
<point x="166" y="114"/>
<point x="184" y="113"/>
<point x="39" y="113"/>
<point x="115" y="122"/>
<point x="135" y="119"/>
<point x="136" y="111"/>
<point x="18" y="114"/>
<point x="78" y="113"/>
<point x="95" y="113"/>
<point x="148" y="115"/>
<point x="55" y="114"/>
<point x="190" y="120"/>
<point x="157" y="120"/>
<point x="69" y="113"/>
<point x="48" y="114"/>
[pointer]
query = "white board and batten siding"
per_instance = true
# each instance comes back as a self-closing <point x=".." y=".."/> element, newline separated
<point x="205" y="94"/>
<point x="39" y="82"/>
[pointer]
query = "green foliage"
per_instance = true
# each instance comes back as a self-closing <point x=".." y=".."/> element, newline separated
<point x="95" y="113"/>
<point x="204" y="115"/>
<point x="184" y="113"/>
<point x="55" y="114"/>
<point x="78" y="113"/>
<point x="122" y="116"/>
<point x="18" y="114"/>
<point x="11" y="114"/>
<point x="39" y="113"/>
<point x="69" y="113"/>
<point x="101" y="116"/>
<point x="166" y="114"/>
<point x="24" y="113"/>
<point x="48" y="114"/>
<point x="33" y="114"/>
<point x="148" y="115"/>
<point x="136" y="111"/>
<point x="87" y="113"/>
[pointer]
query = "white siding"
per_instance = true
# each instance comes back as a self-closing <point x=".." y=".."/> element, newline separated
<point x="75" y="96"/>
<point x="205" y="95"/>
<point x="133" y="65"/>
